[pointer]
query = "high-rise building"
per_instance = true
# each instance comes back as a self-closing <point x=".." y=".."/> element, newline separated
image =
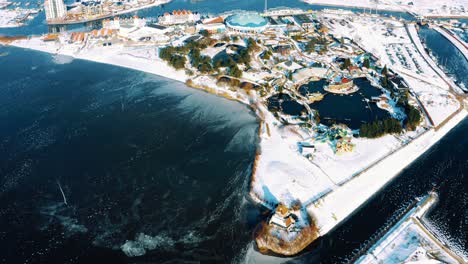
<point x="55" y="9"/>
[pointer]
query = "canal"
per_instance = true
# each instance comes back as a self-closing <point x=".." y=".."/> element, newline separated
<point x="446" y="54"/>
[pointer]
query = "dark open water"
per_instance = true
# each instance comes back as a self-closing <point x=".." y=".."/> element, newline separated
<point x="134" y="153"/>
<point x="160" y="168"/>
<point x="446" y="54"/>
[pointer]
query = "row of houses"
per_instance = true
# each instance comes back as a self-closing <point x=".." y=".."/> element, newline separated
<point x="179" y="17"/>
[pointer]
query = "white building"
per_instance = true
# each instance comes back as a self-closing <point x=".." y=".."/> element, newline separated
<point x="55" y="9"/>
<point x="179" y="17"/>
<point x="282" y="218"/>
<point x="153" y="33"/>
<point x="117" y="22"/>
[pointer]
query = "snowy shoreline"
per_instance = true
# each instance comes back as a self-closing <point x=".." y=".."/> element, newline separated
<point x="337" y="207"/>
<point x="127" y="61"/>
<point x="328" y="209"/>
<point x="420" y="7"/>
<point x="353" y="5"/>
<point x="113" y="14"/>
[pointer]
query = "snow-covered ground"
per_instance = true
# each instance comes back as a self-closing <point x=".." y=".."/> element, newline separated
<point x="342" y="167"/>
<point x="140" y="59"/>
<point x="439" y="103"/>
<point x="282" y="173"/>
<point x="339" y="204"/>
<point x="409" y="241"/>
<point x="420" y="7"/>
<point x="390" y="42"/>
<point x="8" y="17"/>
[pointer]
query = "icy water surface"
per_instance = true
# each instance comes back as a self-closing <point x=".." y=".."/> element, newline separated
<point x="154" y="172"/>
<point x="447" y="55"/>
<point x="149" y="168"/>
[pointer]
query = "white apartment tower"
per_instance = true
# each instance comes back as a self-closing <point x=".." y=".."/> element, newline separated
<point x="55" y="9"/>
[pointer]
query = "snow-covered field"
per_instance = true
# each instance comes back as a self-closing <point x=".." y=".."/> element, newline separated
<point x="420" y="7"/>
<point x="282" y="173"/>
<point x="439" y="103"/>
<point x="342" y="167"/>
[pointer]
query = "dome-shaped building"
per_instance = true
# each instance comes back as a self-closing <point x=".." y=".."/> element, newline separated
<point x="248" y="22"/>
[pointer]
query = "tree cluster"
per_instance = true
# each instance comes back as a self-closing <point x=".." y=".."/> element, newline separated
<point x="413" y="117"/>
<point x="267" y="54"/>
<point x="366" y="63"/>
<point x="379" y="128"/>
<point x="384" y="81"/>
<point x="252" y="45"/>
<point x="202" y="63"/>
<point x="244" y="56"/>
<point x="310" y="46"/>
<point x="346" y="63"/>
<point x="176" y="56"/>
<point x="234" y="71"/>
<point x="177" y="61"/>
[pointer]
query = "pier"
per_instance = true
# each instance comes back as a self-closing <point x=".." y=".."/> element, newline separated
<point x="410" y="221"/>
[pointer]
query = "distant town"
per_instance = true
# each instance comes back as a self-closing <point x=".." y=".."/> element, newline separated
<point x="80" y="12"/>
<point x="345" y="100"/>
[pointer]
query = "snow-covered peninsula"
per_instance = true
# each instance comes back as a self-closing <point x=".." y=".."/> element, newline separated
<point x="345" y="101"/>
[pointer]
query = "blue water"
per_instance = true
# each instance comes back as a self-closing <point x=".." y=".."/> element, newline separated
<point x="351" y="110"/>
<point x="285" y="104"/>
<point x="447" y="55"/>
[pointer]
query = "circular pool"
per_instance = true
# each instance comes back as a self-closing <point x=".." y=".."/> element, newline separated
<point x="246" y="22"/>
